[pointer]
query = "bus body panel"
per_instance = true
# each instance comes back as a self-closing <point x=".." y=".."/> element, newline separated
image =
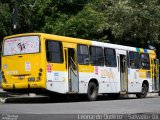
<point x="19" y="70"/>
<point x="22" y="71"/>
<point x="57" y="82"/>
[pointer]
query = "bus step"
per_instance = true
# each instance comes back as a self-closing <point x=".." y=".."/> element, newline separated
<point x="123" y="92"/>
<point x="155" y="91"/>
<point x="71" y="92"/>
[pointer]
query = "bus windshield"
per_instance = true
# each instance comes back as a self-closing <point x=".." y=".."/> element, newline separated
<point x="21" y="45"/>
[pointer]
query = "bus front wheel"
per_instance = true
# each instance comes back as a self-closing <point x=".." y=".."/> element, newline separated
<point x="92" y="92"/>
<point x="143" y="94"/>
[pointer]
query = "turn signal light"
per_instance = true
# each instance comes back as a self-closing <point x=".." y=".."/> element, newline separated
<point x="2" y="73"/>
<point x="40" y="70"/>
<point x="3" y="76"/>
<point x="40" y="74"/>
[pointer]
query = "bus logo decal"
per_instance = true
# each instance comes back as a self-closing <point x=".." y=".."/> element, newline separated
<point x="56" y="74"/>
<point x="13" y="72"/>
<point x="5" y="66"/>
<point x="96" y="70"/>
<point x="21" y="46"/>
<point x="107" y="73"/>
<point x="49" y="68"/>
<point x="148" y="74"/>
<point x="27" y="66"/>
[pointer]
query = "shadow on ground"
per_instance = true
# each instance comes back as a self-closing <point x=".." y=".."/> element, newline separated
<point x="63" y="99"/>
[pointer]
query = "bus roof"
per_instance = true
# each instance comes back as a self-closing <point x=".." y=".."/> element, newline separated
<point x="122" y="47"/>
<point x="84" y="41"/>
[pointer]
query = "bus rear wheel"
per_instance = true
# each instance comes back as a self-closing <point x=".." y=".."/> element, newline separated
<point x="92" y="91"/>
<point x="143" y="94"/>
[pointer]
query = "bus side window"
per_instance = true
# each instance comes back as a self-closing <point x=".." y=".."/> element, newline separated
<point x="110" y="57"/>
<point x="145" y="63"/>
<point x="96" y="56"/>
<point x="83" y="55"/>
<point x="54" y="51"/>
<point x="134" y="60"/>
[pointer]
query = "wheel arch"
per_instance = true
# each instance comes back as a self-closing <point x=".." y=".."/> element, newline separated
<point x="94" y="80"/>
<point x="92" y="91"/>
<point x="146" y="83"/>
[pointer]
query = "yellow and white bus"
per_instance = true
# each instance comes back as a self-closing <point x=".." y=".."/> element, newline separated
<point x="44" y="62"/>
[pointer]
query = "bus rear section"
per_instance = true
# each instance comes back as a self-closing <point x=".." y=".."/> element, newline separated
<point x="22" y="64"/>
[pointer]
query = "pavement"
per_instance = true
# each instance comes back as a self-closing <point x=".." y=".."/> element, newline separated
<point x="32" y="107"/>
<point x="101" y="106"/>
<point x="6" y="97"/>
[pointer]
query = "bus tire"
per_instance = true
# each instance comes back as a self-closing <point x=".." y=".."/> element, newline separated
<point x="143" y="94"/>
<point x="92" y="91"/>
<point x="114" y="96"/>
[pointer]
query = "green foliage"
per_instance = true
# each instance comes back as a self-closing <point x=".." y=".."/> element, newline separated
<point x="5" y="20"/>
<point x="134" y="22"/>
<point x="127" y="22"/>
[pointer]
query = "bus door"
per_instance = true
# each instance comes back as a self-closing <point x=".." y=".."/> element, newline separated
<point x="71" y="64"/>
<point x="123" y="73"/>
<point x="155" y="72"/>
